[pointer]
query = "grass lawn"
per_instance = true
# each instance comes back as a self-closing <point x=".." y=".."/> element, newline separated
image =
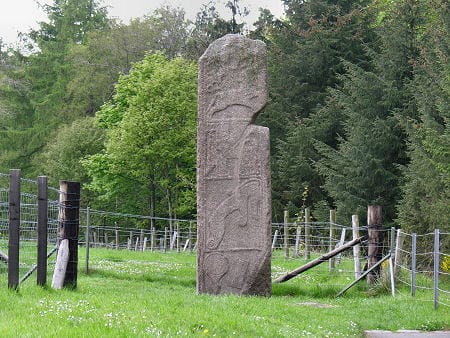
<point x="153" y="294"/>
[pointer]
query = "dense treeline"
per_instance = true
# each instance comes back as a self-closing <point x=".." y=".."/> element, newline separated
<point x="358" y="106"/>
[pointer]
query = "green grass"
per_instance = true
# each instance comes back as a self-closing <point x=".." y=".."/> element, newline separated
<point x="153" y="294"/>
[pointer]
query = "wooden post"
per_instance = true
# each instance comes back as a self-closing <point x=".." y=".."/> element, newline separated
<point x="355" y="231"/>
<point x="375" y="241"/>
<point x="173" y="238"/>
<point x="117" y="238"/>
<point x="3" y="257"/>
<point x="186" y="245"/>
<point x="42" y="230"/>
<point x="190" y="236"/>
<point x="69" y="213"/>
<point x="178" y="237"/>
<point x="170" y="232"/>
<point x="152" y="239"/>
<point x="136" y="245"/>
<point x="141" y="239"/>
<point x="106" y="239"/>
<point x="130" y="240"/>
<point x="340" y="243"/>
<point x="364" y="274"/>
<point x="274" y="241"/>
<point x="286" y="235"/>
<point x="318" y="260"/>
<point x="331" y="239"/>
<point x="165" y="240"/>
<point x="62" y="261"/>
<point x="298" y="233"/>
<point x="14" y="229"/>
<point x="307" y="234"/>
<point x="398" y="250"/>
<point x="144" y="246"/>
<point x="94" y="235"/>
<point x="88" y="227"/>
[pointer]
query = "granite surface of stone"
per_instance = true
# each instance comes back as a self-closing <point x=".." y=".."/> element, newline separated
<point x="233" y="170"/>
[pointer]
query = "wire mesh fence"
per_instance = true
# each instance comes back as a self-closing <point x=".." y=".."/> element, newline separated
<point x="420" y="267"/>
<point x="425" y="267"/>
<point x="28" y="225"/>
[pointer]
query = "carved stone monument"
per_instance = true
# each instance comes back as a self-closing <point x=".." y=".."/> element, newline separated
<point x="233" y="170"/>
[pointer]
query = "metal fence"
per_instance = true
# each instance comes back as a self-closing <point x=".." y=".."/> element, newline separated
<point x="301" y="240"/>
<point x="28" y="232"/>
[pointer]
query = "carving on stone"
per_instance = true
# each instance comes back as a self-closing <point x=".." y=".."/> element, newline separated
<point x="233" y="171"/>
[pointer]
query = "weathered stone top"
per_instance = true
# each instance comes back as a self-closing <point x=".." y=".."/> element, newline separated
<point x="238" y="90"/>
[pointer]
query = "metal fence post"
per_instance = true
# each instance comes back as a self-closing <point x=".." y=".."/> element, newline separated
<point x="436" y="268"/>
<point x="42" y="231"/>
<point x="413" y="264"/>
<point x="14" y="229"/>
<point x="286" y="235"/>
<point x="88" y="225"/>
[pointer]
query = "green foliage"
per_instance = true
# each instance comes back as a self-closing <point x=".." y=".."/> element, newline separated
<point x="209" y="26"/>
<point x="151" y="132"/>
<point x="358" y="105"/>
<point x="34" y="89"/>
<point x="65" y="150"/>
<point x="426" y="189"/>
<point x="307" y="51"/>
<point x="362" y="170"/>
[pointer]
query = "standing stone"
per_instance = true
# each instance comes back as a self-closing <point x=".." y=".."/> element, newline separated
<point x="233" y="170"/>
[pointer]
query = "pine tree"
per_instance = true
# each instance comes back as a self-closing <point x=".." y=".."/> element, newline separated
<point x="35" y="90"/>
<point x="362" y="170"/>
<point x="426" y="190"/>
<point x="306" y="54"/>
<point x="364" y="167"/>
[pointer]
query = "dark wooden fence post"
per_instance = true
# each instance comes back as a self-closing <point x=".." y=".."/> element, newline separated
<point x="42" y="231"/>
<point x="69" y="223"/>
<point x="14" y="229"/>
<point x="374" y="224"/>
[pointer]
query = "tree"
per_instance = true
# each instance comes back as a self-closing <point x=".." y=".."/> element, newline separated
<point x="209" y="26"/>
<point x="307" y="52"/>
<point x="426" y="190"/>
<point x="62" y="156"/>
<point x="110" y="52"/>
<point x="150" y="147"/>
<point x="363" y="169"/>
<point x="34" y="90"/>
